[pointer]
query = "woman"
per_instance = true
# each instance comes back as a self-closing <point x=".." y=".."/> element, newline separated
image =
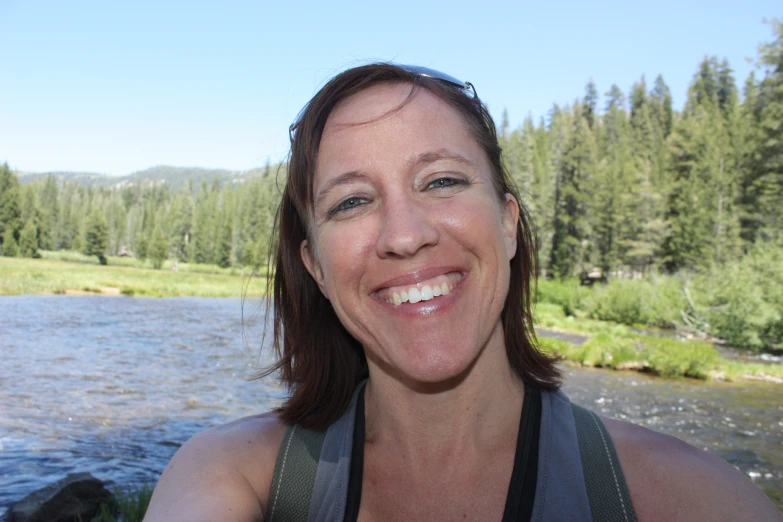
<point x="405" y="258"/>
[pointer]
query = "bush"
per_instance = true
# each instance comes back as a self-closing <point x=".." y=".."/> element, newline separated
<point x="743" y="303"/>
<point x="568" y="293"/>
<point x="633" y="302"/>
<point x="673" y="358"/>
<point x="608" y="351"/>
<point x="556" y="347"/>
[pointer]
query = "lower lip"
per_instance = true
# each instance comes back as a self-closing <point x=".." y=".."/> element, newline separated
<point x="427" y="308"/>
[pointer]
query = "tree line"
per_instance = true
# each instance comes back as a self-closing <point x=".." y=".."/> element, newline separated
<point x="627" y="186"/>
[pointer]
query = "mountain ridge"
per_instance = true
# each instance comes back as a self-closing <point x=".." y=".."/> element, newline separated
<point x="175" y="177"/>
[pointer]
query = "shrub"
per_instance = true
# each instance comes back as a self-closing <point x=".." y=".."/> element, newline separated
<point x="743" y="303"/>
<point x="555" y="346"/>
<point x="568" y="293"/>
<point x="633" y="302"/>
<point x="673" y="358"/>
<point x="609" y="351"/>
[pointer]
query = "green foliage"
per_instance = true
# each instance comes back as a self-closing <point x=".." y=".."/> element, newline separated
<point x="573" y="210"/>
<point x="665" y="357"/>
<point x="10" y="247"/>
<point x="556" y="347"/>
<point x="743" y="303"/>
<point x="140" y="248"/>
<point x="130" y="505"/>
<point x="28" y="241"/>
<point x="10" y="212"/>
<point x="96" y="236"/>
<point x="224" y="246"/>
<point x="638" y="302"/>
<point x="605" y="350"/>
<point x="672" y="358"/>
<point x="567" y="293"/>
<point x="158" y="249"/>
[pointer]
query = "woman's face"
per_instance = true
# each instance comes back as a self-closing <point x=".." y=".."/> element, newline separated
<point x="410" y="241"/>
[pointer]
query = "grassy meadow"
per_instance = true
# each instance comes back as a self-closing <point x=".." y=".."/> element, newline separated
<point x="74" y="273"/>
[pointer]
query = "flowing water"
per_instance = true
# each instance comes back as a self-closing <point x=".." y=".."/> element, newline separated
<point x="114" y="385"/>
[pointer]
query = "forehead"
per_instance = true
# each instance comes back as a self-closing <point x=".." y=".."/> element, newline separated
<point x="381" y="124"/>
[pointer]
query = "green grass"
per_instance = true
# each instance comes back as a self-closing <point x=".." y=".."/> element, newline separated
<point x="130" y="505"/>
<point x="71" y="271"/>
<point x="618" y="347"/>
<point x="553" y="317"/>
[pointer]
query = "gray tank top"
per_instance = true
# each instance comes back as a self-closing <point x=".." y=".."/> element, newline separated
<point x="561" y="493"/>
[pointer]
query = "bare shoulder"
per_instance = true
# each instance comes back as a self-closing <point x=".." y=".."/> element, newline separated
<point x="671" y="480"/>
<point x="223" y="473"/>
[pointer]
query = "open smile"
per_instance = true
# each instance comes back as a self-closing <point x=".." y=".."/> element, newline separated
<point x="421" y="291"/>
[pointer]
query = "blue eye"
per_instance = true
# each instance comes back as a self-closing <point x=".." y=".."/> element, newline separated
<point x="347" y="204"/>
<point x="444" y="183"/>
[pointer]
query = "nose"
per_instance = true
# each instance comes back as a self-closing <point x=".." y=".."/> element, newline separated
<point x="406" y="228"/>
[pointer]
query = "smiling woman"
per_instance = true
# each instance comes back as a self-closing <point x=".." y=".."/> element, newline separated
<point x="403" y="331"/>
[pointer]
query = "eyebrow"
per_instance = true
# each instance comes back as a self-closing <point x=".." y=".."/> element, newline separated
<point x="425" y="158"/>
<point x="438" y="155"/>
<point x="342" y="179"/>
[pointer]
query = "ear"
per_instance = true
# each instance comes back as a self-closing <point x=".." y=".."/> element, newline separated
<point x="312" y="265"/>
<point x="509" y="220"/>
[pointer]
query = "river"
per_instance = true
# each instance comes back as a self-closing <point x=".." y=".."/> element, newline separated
<point x="114" y="385"/>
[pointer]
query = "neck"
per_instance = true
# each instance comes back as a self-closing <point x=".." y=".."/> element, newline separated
<point x="470" y="414"/>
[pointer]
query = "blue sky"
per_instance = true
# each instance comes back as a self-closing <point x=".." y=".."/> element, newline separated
<point x="116" y="87"/>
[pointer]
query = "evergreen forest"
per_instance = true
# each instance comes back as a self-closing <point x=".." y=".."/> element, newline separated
<point x="621" y="186"/>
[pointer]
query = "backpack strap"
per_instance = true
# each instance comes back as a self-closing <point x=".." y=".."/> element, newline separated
<point x="604" y="479"/>
<point x="295" y="470"/>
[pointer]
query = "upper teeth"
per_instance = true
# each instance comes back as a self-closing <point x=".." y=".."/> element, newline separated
<point x="437" y="286"/>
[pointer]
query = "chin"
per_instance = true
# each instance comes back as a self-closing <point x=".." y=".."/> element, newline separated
<point x="430" y="364"/>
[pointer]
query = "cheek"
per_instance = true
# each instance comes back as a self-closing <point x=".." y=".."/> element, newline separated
<point x="476" y="221"/>
<point x="344" y="254"/>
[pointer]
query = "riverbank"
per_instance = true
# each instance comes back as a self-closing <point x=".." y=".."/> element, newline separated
<point x="619" y="347"/>
<point x="123" y="276"/>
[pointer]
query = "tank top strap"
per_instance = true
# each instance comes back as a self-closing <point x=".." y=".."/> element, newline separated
<point x="560" y="490"/>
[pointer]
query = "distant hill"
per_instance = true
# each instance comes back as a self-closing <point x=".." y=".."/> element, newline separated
<point x="175" y="177"/>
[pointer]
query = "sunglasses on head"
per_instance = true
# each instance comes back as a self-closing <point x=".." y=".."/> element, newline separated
<point x="417" y="70"/>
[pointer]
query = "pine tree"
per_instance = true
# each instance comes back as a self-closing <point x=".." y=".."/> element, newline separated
<point x="766" y="187"/>
<point x="571" y="246"/>
<point x="10" y="247"/>
<point x="590" y="104"/>
<point x="204" y="226"/>
<point x="10" y="211"/>
<point x="28" y="241"/>
<point x="158" y="248"/>
<point x="223" y="247"/>
<point x="182" y="222"/>
<point x="48" y="205"/>
<point x="96" y="236"/>
<point x="661" y="102"/>
<point x="140" y="246"/>
<point x="612" y="199"/>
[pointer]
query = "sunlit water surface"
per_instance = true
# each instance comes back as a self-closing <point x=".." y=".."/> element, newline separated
<point x="113" y="386"/>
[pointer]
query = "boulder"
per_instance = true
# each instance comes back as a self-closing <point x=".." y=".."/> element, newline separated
<point x="76" y="497"/>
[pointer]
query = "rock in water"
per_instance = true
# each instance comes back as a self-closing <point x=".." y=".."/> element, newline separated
<point x="76" y="497"/>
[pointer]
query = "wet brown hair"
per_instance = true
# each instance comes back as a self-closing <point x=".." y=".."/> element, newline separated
<point x="317" y="359"/>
